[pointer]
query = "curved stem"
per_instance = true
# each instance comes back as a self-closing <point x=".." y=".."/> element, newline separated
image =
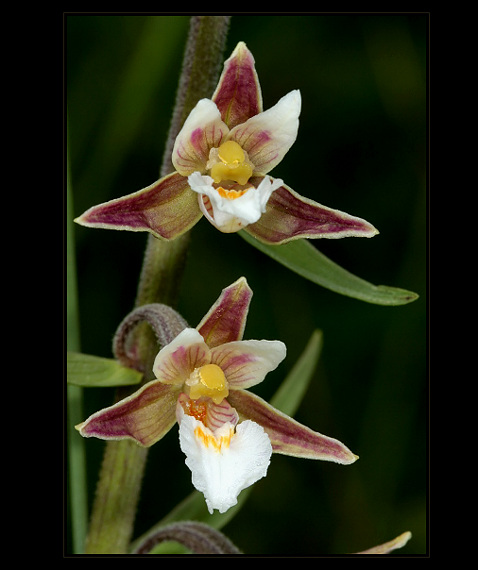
<point x="195" y="536"/>
<point x="122" y="470"/>
<point x="165" y="322"/>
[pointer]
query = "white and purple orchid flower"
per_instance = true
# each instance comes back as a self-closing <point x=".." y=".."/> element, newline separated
<point x="226" y="432"/>
<point x="222" y="158"/>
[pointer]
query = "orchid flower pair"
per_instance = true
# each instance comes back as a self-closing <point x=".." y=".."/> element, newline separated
<point x="222" y="158"/>
<point x="227" y="433"/>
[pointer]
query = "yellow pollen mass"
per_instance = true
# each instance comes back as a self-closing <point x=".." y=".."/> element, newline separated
<point x="232" y="164"/>
<point x="208" y="381"/>
<point x="212" y="376"/>
<point x="231" y="152"/>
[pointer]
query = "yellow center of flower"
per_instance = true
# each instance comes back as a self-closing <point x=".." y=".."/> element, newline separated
<point x="232" y="164"/>
<point x="208" y="381"/>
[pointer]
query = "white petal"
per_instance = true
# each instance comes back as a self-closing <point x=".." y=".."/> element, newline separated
<point x="231" y="215"/>
<point x="221" y="469"/>
<point x="201" y="184"/>
<point x="202" y="130"/>
<point x="268" y="136"/>
<point x="265" y="189"/>
<point x="175" y="362"/>
<point x="247" y="362"/>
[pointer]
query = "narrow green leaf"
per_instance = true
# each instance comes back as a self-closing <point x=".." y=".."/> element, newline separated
<point x="287" y="399"/>
<point x="303" y="258"/>
<point x="94" y="371"/>
<point x="290" y="393"/>
<point x="77" y="488"/>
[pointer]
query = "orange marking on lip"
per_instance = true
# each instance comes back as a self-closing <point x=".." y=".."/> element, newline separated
<point x="231" y="194"/>
<point x="209" y="439"/>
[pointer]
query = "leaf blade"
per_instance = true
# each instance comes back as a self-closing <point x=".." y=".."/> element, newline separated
<point x="307" y="261"/>
<point x="94" y="371"/>
<point x="290" y="393"/>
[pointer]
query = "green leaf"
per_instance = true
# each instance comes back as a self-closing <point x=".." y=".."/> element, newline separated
<point x="287" y="399"/>
<point x="291" y="392"/>
<point x="303" y="258"/>
<point x="77" y="489"/>
<point x="94" y="371"/>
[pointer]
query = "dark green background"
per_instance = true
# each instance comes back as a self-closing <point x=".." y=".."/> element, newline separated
<point x="361" y="148"/>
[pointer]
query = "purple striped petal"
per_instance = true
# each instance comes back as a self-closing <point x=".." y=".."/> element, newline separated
<point x="226" y="319"/>
<point x="202" y="130"/>
<point x="238" y="94"/>
<point x="268" y="136"/>
<point x="145" y="416"/>
<point x="288" y="436"/>
<point x="177" y="360"/>
<point x="246" y="363"/>
<point x="167" y="209"/>
<point x="291" y="216"/>
<point x="219" y="414"/>
<point x="212" y="415"/>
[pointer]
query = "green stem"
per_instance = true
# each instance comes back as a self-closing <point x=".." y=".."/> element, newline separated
<point x="116" y="498"/>
<point x="119" y="485"/>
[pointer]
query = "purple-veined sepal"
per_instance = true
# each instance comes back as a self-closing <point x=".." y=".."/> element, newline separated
<point x="238" y="94"/>
<point x="226" y="319"/>
<point x="288" y="436"/>
<point x="167" y="208"/>
<point x="144" y="417"/>
<point x="290" y="216"/>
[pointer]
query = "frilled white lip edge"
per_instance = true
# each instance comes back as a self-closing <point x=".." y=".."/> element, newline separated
<point x="226" y="461"/>
<point x="232" y="215"/>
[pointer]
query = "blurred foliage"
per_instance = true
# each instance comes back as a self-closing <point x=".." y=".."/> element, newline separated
<point x="362" y="149"/>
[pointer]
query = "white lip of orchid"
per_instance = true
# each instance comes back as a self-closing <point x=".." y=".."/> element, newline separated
<point x="233" y="210"/>
<point x="225" y="461"/>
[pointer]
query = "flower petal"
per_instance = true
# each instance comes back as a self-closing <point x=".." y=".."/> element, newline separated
<point x="290" y="216"/>
<point x="219" y="414"/>
<point x="166" y="208"/>
<point x="238" y="94"/>
<point x="288" y="436"/>
<point x="226" y="319"/>
<point x="145" y="416"/>
<point x="228" y="215"/>
<point x="387" y="547"/>
<point x="246" y="363"/>
<point x="224" y="462"/>
<point x="268" y="136"/>
<point x="175" y="362"/>
<point x="212" y="415"/>
<point x="202" y="130"/>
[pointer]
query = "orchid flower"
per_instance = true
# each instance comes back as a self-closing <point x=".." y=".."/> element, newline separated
<point x="222" y="158"/>
<point x="226" y="432"/>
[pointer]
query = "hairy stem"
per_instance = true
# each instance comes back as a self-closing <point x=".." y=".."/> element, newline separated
<point x="195" y="536"/>
<point x="165" y="322"/>
<point x="119" y="484"/>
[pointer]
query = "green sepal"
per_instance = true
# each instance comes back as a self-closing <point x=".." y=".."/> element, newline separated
<point x="97" y="372"/>
<point x="306" y="260"/>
